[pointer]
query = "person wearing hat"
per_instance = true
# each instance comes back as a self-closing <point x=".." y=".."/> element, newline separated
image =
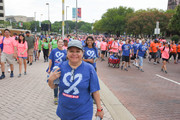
<point x="77" y="81"/>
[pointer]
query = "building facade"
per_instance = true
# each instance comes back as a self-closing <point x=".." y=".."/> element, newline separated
<point x="19" y="18"/>
<point x="173" y="3"/>
<point x="2" y="10"/>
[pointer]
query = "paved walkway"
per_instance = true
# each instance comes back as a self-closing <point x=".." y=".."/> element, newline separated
<point x="29" y="97"/>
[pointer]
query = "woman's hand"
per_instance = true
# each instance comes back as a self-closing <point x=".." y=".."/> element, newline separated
<point x="100" y="114"/>
<point x="53" y="76"/>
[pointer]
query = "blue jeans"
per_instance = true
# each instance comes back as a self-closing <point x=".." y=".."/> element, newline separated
<point x="140" y="61"/>
<point x="56" y="92"/>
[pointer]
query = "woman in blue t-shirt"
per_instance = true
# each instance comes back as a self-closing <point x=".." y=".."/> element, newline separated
<point x="140" y="54"/>
<point x="77" y="81"/>
<point x="57" y="56"/>
<point x="90" y="52"/>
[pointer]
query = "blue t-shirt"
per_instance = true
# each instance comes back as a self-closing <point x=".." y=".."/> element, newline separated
<point x="142" y="50"/>
<point x="83" y="43"/>
<point x="90" y="53"/>
<point x="126" y="49"/>
<point x="57" y="56"/>
<point x="75" y="100"/>
<point x="135" y="47"/>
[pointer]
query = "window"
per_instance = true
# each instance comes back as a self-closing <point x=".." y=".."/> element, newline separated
<point x="1" y="14"/>
<point x="1" y="7"/>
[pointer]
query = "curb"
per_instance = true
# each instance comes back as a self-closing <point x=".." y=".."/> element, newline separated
<point x="113" y="105"/>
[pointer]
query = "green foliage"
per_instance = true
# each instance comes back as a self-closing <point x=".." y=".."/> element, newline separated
<point x="174" y="24"/>
<point x="175" y="38"/>
<point x="113" y="21"/>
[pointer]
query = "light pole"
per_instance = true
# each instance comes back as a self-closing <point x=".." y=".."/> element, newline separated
<point x="63" y="19"/>
<point x="76" y="16"/>
<point x="67" y="31"/>
<point x="35" y="22"/>
<point x="48" y="18"/>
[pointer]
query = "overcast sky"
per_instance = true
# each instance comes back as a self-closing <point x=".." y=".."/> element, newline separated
<point x="91" y="9"/>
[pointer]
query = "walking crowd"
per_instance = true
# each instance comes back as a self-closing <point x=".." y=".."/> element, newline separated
<point x="72" y="64"/>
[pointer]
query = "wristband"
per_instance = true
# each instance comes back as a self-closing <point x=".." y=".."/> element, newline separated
<point x="99" y="110"/>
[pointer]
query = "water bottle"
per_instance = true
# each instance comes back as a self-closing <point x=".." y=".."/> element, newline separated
<point x="98" y="118"/>
<point x="56" y="81"/>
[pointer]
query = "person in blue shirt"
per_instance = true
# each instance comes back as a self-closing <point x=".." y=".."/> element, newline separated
<point x="126" y="50"/>
<point x="77" y="81"/>
<point x="90" y="52"/>
<point x="140" y="54"/>
<point x="135" y="47"/>
<point x="56" y="56"/>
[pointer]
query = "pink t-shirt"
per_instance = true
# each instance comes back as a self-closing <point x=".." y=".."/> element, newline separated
<point x="21" y="47"/>
<point x="165" y="52"/>
<point x="65" y="47"/>
<point x="8" y="45"/>
<point x="114" y="47"/>
<point x="103" y="45"/>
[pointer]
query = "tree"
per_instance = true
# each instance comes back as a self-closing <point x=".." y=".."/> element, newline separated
<point x="143" y="22"/>
<point x="174" y="24"/>
<point x="113" y="21"/>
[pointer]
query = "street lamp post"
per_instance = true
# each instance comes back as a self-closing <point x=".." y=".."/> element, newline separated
<point x="67" y="30"/>
<point x="48" y="18"/>
<point x="35" y="22"/>
<point x="63" y="19"/>
<point x="76" y="16"/>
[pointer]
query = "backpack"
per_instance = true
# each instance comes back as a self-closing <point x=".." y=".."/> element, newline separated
<point x="1" y="45"/>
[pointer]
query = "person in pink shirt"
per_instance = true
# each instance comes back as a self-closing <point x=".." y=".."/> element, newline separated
<point x="115" y="46"/>
<point x="1" y="38"/>
<point x="165" y="56"/>
<point x="103" y="47"/>
<point x="8" y="52"/>
<point x="22" y="48"/>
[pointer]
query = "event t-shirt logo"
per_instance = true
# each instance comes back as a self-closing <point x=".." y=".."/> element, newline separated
<point x="59" y="56"/>
<point x="90" y="53"/>
<point x="77" y="77"/>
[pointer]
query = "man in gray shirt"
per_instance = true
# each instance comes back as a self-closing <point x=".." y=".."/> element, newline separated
<point x="31" y="43"/>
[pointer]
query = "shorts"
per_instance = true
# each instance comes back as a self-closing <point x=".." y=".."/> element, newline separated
<point x="154" y="55"/>
<point x="164" y="59"/>
<point x="133" y="57"/>
<point x="22" y="57"/>
<point x="7" y="57"/>
<point x="125" y="58"/>
<point x="30" y="51"/>
<point x="103" y="52"/>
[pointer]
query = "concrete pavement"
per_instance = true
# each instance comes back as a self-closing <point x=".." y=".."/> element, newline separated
<point x="29" y="97"/>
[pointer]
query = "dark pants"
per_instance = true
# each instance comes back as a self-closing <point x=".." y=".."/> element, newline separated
<point x="56" y="92"/>
<point x="172" y="54"/>
<point x="178" y="55"/>
<point x="45" y="53"/>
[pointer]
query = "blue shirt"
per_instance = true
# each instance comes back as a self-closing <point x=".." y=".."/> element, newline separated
<point x="90" y="53"/>
<point x="57" y="56"/>
<point x="142" y="50"/>
<point x="126" y="49"/>
<point x="135" y="47"/>
<point x="75" y="100"/>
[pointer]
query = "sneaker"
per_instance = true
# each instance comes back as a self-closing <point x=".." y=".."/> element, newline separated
<point x="125" y="69"/>
<point x="129" y="66"/>
<point x="25" y="73"/>
<point x="2" y="77"/>
<point x="162" y="70"/>
<point x="165" y="71"/>
<point x="155" y="63"/>
<point x="55" y="101"/>
<point x="30" y="64"/>
<point x="27" y="62"/>
<point x="121" y="67"/>
<point x="141" y="70"/>
<point x="19" y="75"/>
<point x="158" y="62"/>
<point x="11" y="75"/>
